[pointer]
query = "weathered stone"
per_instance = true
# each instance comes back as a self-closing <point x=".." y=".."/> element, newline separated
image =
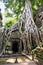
<point x="30" y="28"/>
<point x="39" y="19"/>
<point x="15" y="32"/>
<point x="2" y="40"/>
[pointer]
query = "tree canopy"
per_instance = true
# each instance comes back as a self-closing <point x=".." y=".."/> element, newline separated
<point x="15" y="7"/>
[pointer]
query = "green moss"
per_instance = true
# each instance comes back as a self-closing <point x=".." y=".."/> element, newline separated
<point x="39" y="53"/>
<point x="2" y="61"/>
<point x="22" y="28"/>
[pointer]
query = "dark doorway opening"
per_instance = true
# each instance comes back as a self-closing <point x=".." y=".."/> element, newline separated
<point x="15" y="46"/>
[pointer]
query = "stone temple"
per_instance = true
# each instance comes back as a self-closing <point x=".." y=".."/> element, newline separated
<point x="20" y="35"/>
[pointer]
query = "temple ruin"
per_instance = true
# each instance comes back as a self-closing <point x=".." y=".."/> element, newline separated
<point x="20" y="34"/>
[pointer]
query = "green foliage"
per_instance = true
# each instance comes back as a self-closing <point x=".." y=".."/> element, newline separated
<point x="10" y="22"/>
<point x="36" y="4"/>
<point x="7" y="14"/>
<point x="39" y="52"/>
<point x="22" y="28"/>
<point x="16" y="6"/>
<point x="2" y="62"/>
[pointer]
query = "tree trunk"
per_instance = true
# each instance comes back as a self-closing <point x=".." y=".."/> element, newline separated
<point x="30" y="27"/>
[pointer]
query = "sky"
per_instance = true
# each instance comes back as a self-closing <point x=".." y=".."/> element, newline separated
<point x="2" y="7"/>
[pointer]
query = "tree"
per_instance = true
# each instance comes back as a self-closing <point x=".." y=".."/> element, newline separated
<point x="17" y="6"/>
<point x="30" y="29"/>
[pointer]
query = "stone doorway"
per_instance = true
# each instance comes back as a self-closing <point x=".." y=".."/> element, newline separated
<point x="17" y="46"/>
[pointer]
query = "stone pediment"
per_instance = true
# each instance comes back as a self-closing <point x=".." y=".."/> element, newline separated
<point x="15" y="34"/>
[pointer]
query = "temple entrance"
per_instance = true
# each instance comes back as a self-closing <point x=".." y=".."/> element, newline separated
<point x="17" y="46"/>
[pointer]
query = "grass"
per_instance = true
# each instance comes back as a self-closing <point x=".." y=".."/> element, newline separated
<point x="2" y="62"/>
